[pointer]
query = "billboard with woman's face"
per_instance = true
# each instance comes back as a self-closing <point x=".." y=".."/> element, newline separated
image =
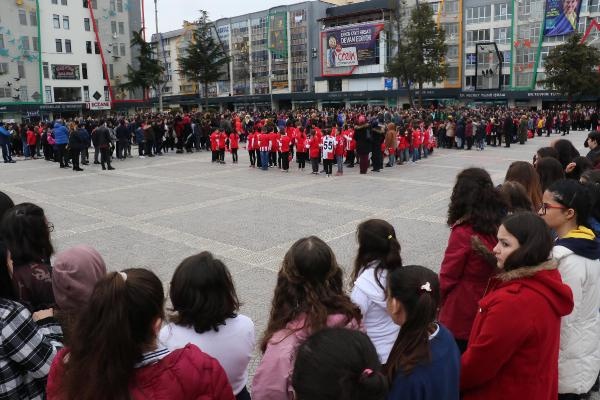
<point x="561" y="17"/>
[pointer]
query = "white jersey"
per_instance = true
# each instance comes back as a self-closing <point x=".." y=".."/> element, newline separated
<point x="329" y="143"/>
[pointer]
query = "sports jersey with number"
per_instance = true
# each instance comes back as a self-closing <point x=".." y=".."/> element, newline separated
<point x="328" y="147"/>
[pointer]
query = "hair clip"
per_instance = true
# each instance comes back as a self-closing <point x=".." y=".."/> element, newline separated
<point x="367" y="372"/>
<point x="426" y="287"/>
<point x="389" y="237"/>
<point x="124" y="276"/>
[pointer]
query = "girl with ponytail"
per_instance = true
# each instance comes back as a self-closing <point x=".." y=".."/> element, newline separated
<point x="115" y="354"/>
<point x="309" y="296"/>
<point x="378" y="254"/>
<point x="424" y="362"/>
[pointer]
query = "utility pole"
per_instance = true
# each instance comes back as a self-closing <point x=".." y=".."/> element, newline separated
<point x="160" y="50"/>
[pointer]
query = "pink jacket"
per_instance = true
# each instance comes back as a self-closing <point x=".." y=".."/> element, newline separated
<point x="273" y="378"/>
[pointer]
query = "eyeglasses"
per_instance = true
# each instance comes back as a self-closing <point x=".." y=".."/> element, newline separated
<point x="50" y="227"/>
<point x="546" y="206"/>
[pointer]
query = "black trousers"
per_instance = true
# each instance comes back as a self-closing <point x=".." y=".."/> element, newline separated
<point x="469" y="142"/>
<point x="377" y="157"/>
<point x="234" y="155"/>
<point x="75" y="158"/>
<point x="105" y="157"/>
<point x="257" y="156"/>
<point x="252" y="156"/>
<point x="350" y="157"/>
<point x="301" y="158"/>
<point x="315" y="164"/>
<point x="222" y="155"/>
<point x="61" y="155"/>
<point x="328" y="165"/>
<point x="285" y="160"/>
<point x="272" y="158"/>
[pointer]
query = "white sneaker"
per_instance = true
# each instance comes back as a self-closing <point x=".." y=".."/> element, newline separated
<point x="142" y="157"/>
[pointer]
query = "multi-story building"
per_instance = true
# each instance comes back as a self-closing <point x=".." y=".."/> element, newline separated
<point x="317" y="54"/>
<point x="61" y="57"/>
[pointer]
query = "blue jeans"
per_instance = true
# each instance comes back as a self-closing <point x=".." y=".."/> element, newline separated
<point x="264" y="160"/>
<point x="340" y="163"/>
<point x="25" y="148"/>
<point x="415" y="154"/>
<point x="392" y="159"/>
<point x="425" y="151"/>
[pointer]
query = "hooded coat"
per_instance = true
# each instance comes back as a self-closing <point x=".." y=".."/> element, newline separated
<point x="513" y="348"/>
<point x="578" y="256"/>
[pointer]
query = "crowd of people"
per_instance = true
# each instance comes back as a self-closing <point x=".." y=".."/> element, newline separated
<point x="514" y="311"/>
<point x="330" y="137"/>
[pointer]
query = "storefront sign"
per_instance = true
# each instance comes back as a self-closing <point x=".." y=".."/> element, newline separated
<point x="98" y="105"/>
<point x="561" y="17"/>
<point x="60" y="71"/>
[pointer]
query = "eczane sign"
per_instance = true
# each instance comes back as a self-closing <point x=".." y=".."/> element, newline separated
<point x="99" y="105"/>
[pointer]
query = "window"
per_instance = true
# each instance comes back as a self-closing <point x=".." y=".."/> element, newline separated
<point x="112" y="5"/>
<point x="84" y="74"/>
<point x="96" y="48"/>
<point x="34" y="42"/>
<point x="502" y="35"/>
<point x="66" y="24"/>
<point x="5" y="92"/>
<point x="1" y="41"/>
<point x="64" y="94"/>
<point x="451" y="7"/>
<point x="63" y="2"/>
<point x="25" y="42"/>
<point x="22" y="17"/>
<point x="86" y="24"/>
<point x="3" y="68"/>
<point x="471" y="60"/>
<point x="68" y="46"/>
<point x="113" y="27"/>
<point x="480" y="14"/>
<point x="48" y="93"/>
<point x="502" y="12"/>
<point x="506" y="56"/>
<point x="481" y="35"/>
<point x="505" y="80"/>
<point x="88" y="47"/>
<point x="46" y="70"/>
<point x="56" y="20"/>
<point x="470" y="81"/>
<point x="452" y="52"/>
<point x="21" y="69"/>
<point x="33" y="18"/>
<point x="120" y="5"/>
<point x="54" y="1"/>
<point x="86" y="93"/>
<point x="23" y="93"/>
<point x="121" y="28"/>
<point x="122" y="46"/>
<point x="111" y="71"/>
<point x="95" y="4"/>
<point x="106" y="93"/>
<point x="451" y="30"/>
<point x="59" y="45"/>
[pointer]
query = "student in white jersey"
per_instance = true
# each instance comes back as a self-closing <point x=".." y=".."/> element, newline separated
<point x="328" y="148"/>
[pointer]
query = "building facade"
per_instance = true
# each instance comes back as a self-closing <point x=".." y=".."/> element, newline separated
<point x="323" y="55"/>
<point x="62" y="57"/>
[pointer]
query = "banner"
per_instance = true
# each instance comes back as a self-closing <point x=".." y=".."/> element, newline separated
<point x="344" y="49"/>
<point x="277" y="28"/>
<point x="561" y="17"/>
<point x="60" y="71"/>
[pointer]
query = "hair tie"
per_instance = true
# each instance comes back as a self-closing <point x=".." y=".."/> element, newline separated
<point x="124" y="276"/>
<point x="389" y="237"/>
<point x="367" y="372"/>
<point x="426" y="287"/>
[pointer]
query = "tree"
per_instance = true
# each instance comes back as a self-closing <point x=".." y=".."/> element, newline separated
<point x="149" y="74"/>
<point x="571" y="68"/>
<point x="422" y="50"/>
<point x="205" y="57"/>
<point x="396" y="65"/>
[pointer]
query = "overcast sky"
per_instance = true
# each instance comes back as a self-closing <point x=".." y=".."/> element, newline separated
<point x="171" y="13"/>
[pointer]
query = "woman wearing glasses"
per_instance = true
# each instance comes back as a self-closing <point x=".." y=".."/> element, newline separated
<point x="26" y="234"/>
<point x="566" y="207"/>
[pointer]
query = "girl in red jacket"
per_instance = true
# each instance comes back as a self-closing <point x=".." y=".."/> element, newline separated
<point x="117" y="334"/>
<point x="31" y="141"/>
<point x="250" y="146"/>
<point x="301" y="147"/>
<point x="234" y="144"/>
<point x="214" y="145"/>
<point x="474" y="214"/>
<point x="340" y="150"/>
<point x="222" y="145"/>
<point x="513" y="348"/>
<point x="314" y="150"/>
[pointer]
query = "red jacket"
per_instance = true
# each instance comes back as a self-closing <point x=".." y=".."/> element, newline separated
<point x="214" y="141"/>
<point x="301" y="142"/>
<point x="234" y="140"/>
<point x="513" y="348"/>
<point x="222" y="140"/>
<point x="314" y="146"/>
<point x="274" y="137"/>
<point x="264" y="142"/>
<point x="184" y="374"/>
<point x="31" y="138"/>
<point x="340" y="145"/>
<point x="416" y="138"/>
<point x="250" y="143"/>
<point x="403" y="142"/>
<point x="464" y="275"/>
<point x="285" y="143"/>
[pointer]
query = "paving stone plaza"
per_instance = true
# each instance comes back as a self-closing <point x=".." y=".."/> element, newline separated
<point x="153" y="212"/>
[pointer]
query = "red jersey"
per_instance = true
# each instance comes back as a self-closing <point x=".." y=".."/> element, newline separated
<point x="301" y="142"/>
<point x="285" y="142"/>
<point x="274" y="137"/>
<point x="264" y="142"/>
<point x="234" y="140"/>
<point x="403" y="142"/>
<point x="349" y="139"/>
<point x="416" y="138"/>
<point x="250" y="142"/>
<point x="314" y="144"/>
<point x="426" y="136"/>
<point x="31" y="138"/>
<point x="222" y="139"/>
<point x="328" y="144"/>
<point x="214" y="140"/>
<point x="340" y="145"/>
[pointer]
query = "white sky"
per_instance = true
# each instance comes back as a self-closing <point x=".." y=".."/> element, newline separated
<point x="171" y="13"/>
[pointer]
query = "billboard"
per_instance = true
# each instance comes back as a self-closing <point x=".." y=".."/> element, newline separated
<point x="277" y="28"/>
<point x="344" y="49"/>
<point x="60" y="71"/>
<point x="561" y="17"/>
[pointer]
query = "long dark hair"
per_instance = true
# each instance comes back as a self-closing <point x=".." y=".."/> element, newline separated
<point x="573" y="194"/>
<point x="474" y="199"/>
<point x="202" y="293"/>
<point x="113" y="332"/>
<point x="26" y="234"/>
<point x="524" y="173"/>
<point x="535" y="240"/>
<point x="309" y="282"/>
<point x="566" y="151"/>
<point x="6" y="287"/>
<point x="376" y="241"/>
<point x="418" y="290"/>
<point x="549" y="170"/>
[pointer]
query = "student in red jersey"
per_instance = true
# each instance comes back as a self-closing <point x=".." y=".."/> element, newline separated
<point x="284" y="145"/>
<point x="427" y="134"/>
<point x="416" y="143"/>
<point x="403" y="148"/>
<point x="280" y="133"/>
<point x="274" y="138"/>
<point x="234" y="144"/>
<point x="214" y="145"/>
<point x="222" y="144"/>
<point x="314" y="149"/>
<point x="250" y="146"/>
<point x="31" y="141"/>
<point x="301" y="147"/>
<point x="340" y="149"/>
<point x="348" y="134"/>
<point x="328" y="144"/>
<point x="264" y="145"/>
<point x="257" y="132"/>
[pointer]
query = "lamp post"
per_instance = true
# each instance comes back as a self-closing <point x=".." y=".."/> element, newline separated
<point x="159" y="46"/>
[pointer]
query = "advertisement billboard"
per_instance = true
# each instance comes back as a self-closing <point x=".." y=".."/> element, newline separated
<point x="60" y="71"/>
<point x="344" y="49"/>
<point x="277" y="28"/>
<point x="561" y="17"/>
